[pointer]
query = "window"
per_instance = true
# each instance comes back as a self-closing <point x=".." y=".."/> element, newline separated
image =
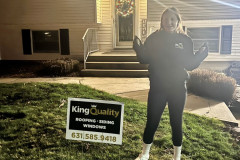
<point x="99" y="11"/>
<point x="45" y="41"/>
<point x="218" y="42"/>
<point x="209" y="35"/>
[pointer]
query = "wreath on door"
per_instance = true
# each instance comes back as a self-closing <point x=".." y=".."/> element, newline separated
<point x="125" y="7"/>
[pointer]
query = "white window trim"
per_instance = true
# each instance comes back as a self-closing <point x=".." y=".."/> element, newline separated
<point x="137" y="21"/>
<point x="96" y="9"/>
<point x="220" y="37"/>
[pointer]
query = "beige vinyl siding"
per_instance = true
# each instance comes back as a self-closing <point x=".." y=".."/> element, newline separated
<point x="11" y="41"/>
<point x="106" y="28"/>
<point x="47" y="11"/>
<point x="15" y="15"/>
<point x="75" y="15"/>
<point x="154" y="25"/>
<point x="196" y="10"/>
<point x="218" y="23"/>
<point x="203" y="13"/>
<point x="105" y="33"/>
<point x="99" y="11"/>
<point x="236" y="39"/>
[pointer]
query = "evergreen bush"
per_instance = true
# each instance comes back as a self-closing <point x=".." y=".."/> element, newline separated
<point x="211" y="84"/>
<point x="60" y="67"/>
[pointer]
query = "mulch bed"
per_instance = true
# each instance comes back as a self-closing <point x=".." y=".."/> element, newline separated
<point x="20" y="69"/>
<point x="27" y="69"/>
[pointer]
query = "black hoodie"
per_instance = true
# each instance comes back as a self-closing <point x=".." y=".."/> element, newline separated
<point x="169" y="55"/>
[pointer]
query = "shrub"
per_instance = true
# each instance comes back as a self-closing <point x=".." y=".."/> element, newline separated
<point x="60" y="67"/>
<point x="234" y="71"/>
<point x="211" y="84"/>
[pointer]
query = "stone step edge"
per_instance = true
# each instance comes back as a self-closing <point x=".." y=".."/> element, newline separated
<point x="106" y="62"/>
<point x="108" y="70"/>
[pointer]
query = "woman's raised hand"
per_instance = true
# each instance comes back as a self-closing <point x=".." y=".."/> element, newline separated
<point x="137" y="44"/>
<point x="203" y="49"/>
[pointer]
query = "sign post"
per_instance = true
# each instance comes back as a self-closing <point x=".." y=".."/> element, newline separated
<point x="94" y="120"/>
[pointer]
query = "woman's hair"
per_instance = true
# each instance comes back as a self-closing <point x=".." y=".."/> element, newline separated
<point x="176" y="12"/>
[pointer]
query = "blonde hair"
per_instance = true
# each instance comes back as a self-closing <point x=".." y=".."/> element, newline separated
<point x="176" y="12"/>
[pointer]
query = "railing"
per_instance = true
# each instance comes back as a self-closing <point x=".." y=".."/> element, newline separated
<point x="90" y="43"/>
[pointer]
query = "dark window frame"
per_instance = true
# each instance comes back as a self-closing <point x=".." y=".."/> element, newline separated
<point x="58" y="51"/>
<point x="63" y="40"/>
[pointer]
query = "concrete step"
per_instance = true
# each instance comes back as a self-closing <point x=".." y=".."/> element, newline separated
<point x="210" y="108"/>
<point x="113" y="58"/>
<point x="113" y="73"/>
<point x="116" y="65"/>
<point x="195" y="104"/>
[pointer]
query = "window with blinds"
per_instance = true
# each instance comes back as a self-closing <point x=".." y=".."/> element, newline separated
<point x="210" y="35"/>
<point x="219" y="39"/>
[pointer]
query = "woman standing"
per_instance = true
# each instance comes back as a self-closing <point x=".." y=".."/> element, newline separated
<point x="169" y="53"/>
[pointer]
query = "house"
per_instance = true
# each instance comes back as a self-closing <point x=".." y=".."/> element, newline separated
<point x="214" y="21"/>
<point x="42" y="29"/>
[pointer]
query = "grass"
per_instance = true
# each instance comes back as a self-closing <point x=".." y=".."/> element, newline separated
<point x="32" y="126"/>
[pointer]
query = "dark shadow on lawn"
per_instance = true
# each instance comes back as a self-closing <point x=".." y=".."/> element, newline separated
<point x="12" y="116"/>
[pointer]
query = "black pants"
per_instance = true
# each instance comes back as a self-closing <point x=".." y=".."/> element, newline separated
<point x="175" y="95"/>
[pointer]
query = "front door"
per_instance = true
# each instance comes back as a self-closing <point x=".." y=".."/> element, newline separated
<point x="124" y="10"/>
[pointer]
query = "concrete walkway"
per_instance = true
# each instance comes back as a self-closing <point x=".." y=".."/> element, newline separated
<point x="137" y="88"/>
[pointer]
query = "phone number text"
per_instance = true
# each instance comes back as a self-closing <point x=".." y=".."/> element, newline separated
<point x="86" y="136"/>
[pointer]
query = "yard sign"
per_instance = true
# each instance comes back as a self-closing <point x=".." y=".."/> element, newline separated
<point x="94" y="120"/>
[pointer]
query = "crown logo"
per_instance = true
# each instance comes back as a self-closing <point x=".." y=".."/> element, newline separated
<point x="179" y="45"/>
<point x="94" y="105"/>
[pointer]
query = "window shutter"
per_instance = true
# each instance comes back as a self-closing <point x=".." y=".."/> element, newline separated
<point x="26" y="41"/>
<point x="226" y="40"/>
<point x="64" y="41"/>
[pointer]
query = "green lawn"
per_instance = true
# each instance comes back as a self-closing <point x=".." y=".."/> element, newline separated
<point x="32" y="126"/>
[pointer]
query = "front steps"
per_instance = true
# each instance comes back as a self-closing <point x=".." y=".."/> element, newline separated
<point x="118" y="63"/>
